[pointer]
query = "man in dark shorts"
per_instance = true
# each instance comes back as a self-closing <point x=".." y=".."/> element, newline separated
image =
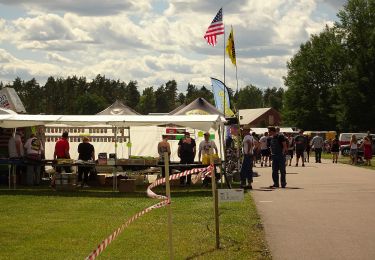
<point x="186" y="152"/>
<point x="264" y="149"/>
<point x="300" y="142"/>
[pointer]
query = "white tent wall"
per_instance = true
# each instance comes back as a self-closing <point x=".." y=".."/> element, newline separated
<point x="144" y="140"/>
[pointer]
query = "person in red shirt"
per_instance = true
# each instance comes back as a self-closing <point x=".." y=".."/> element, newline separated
<point x="62" y="151"/>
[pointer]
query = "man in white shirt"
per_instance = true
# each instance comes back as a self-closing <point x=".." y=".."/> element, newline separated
<point x="317" y="144"/>
<point x="34" y="150"/>
<point x="264" y="150"/>
<point x="206" y="148"/>
<point x="247" y="164"/>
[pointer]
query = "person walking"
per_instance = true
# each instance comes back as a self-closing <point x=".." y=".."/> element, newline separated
<point x="186" y="152"/>
<point x="34" y="151"/>
<point x="300" y="143"/>
<point x="246" y="172"/>
<point x="290" y="148"/>
<point x="353" y="149"/>
<point x="264" y="150"/>
<point x="335" y="149"/>
<point x="278" y="151"/>
<point x="86" y="152"/>
<point x="317" y="144"/>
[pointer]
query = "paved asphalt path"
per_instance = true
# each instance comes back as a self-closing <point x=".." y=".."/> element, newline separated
<point x="327" y="211"/>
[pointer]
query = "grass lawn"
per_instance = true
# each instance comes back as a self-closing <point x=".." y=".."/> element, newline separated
<point x="43" y="224"/>
<point x="346" y="160"/>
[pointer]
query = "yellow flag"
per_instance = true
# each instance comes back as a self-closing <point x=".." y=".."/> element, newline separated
<point x="230" y="48"/>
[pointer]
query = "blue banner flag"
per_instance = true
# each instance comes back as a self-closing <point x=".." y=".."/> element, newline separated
<point x="221" y="97"/>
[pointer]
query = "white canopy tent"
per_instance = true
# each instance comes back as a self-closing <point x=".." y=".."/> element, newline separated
<point x="145" y="133"/>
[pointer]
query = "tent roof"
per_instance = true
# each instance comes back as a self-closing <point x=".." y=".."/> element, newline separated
<point x="249" y="115"/>
<point x="118" y="108"/>
<point x="202" y="122"/>
<point x="4" y="111"/>
<point x="198" y="107"/>
<point x="260" y="130"/>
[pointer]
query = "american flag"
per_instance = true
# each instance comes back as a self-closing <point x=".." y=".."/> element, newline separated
<point x="216" y="28"/>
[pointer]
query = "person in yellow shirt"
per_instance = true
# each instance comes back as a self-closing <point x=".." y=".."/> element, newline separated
<point x="206" y="148"/>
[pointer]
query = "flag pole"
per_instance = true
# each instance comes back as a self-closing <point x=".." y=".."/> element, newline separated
<point x="224" y="65"/>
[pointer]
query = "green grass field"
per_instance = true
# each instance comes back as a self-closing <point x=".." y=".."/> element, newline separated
<point x="44" y="224"/>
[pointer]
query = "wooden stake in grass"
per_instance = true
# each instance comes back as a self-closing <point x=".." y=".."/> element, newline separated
<point x="168" y="193"/>
<point x="216" y="201"/>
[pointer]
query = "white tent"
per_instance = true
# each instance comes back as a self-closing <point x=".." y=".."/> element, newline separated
<point x="145" y="133"/>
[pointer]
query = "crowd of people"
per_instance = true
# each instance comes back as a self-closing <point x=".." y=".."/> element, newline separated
<point x="33" y="152"/>
<point x="277" y="150"/>
<point x="272" y="149"/>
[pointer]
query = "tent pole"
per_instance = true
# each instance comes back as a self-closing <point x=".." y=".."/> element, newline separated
<point x="115" y="170"/>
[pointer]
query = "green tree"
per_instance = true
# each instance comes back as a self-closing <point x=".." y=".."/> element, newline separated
<point x="171" y="93"/>
<point x="249" y="97"/>
<point x="312" y="80"/>
<point x="131" y="94"/>
<point x="89" y="104"/>
<point x="180" y="99"/>
<point x="356" y="94"/>
<point x="161" y="103"/>
<point x="147" y="101"/>
<point x="273" y="97"/>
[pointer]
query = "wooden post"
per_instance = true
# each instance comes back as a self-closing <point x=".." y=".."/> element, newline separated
<point x="216" y="203"/>
<point x="169" y="209"/>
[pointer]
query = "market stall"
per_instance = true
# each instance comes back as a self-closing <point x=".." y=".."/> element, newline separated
<point x="149" y="124"/>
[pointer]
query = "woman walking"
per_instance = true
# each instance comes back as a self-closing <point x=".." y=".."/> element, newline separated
<point x="353" y="149"/>
<point x="335" y="148"/>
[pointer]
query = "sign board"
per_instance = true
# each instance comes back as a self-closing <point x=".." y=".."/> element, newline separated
<point x="228" y="195"/>
<point x="175" y="131"/>
<point x="10" y="100"/>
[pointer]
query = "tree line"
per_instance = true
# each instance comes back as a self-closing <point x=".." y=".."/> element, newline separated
<point x="76" y="95"/>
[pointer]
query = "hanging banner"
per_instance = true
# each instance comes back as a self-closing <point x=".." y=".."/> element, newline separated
<point x="221" y="97"/>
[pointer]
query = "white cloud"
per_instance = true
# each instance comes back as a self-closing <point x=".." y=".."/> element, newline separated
<point x="12" y="67"/>
<point x="83" y="7"/>
<point x="54" y="57"/>
<point x="127" y="40"/>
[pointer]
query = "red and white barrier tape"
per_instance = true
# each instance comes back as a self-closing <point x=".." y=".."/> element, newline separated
<point x="100" y="248"/>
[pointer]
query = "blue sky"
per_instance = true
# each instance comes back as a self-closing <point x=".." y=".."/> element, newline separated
<point x="155" y="41"/>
